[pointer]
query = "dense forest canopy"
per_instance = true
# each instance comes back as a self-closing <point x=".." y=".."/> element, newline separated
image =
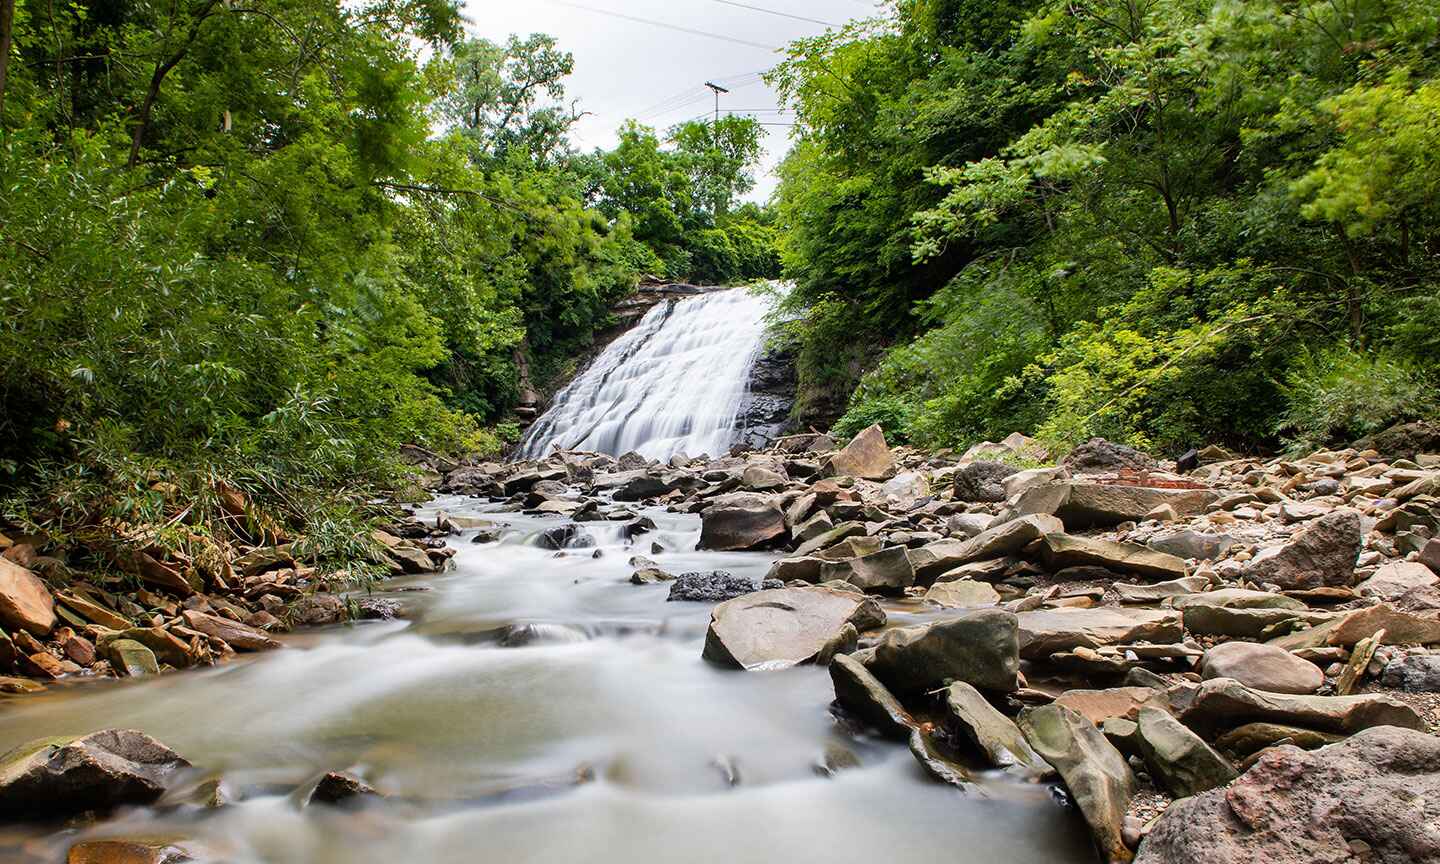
<point x="275" y="239"/>
<point x="1161" y="221"/>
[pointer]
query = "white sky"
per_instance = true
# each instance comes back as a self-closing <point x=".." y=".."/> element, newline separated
<point x="629" y="69"/>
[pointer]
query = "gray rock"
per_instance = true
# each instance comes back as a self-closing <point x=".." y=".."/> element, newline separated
<point x="742" y="521"/>
<point x="887" y="571"/>
<point x="1373" y="798"/>
<point x="982" y="481"/>
<point x="962" y="594"/>
<point x="1202" y="619"/>
<point x="1323" y="554"/>
<point x="1194" y="545"/>
<point x="1240" y="598"/>
<point x="779" y="628"/>
<point x="1064" y="550"/>
<point x="977" y="646"/>
<point x="59" y="777"/>
<point x="838" y="534"/>
<point x="1177" y="757"/>
<point x="1262" y="667"/>
<point x="1048" y="631"/>
<point x="862" y="694"/>
<point x="936" y="762"/>
<point x="1157" y="591"/>
<point x="711" y="587"/>
<point x="972" y="718"/>
<point x="1413" y="673"/>
<point x="1082" y="505"/>
<point x="1222" y="703"/>
<point x="1395" y="579"/>
<point x="1099" y="455"/>
<point x="1093" y="770"/>
<point x="934" y="559"/>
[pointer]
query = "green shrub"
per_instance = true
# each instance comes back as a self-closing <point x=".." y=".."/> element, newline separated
<point x="1340" y="394"/>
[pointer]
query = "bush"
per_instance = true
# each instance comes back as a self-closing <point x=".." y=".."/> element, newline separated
<point x="893" y="414"/>
<point x="1339" y="395"/>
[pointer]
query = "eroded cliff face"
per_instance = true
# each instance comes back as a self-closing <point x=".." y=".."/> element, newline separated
<point x="765" y="410"/>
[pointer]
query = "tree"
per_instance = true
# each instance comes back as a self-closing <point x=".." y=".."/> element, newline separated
<point x="720" y="160"/>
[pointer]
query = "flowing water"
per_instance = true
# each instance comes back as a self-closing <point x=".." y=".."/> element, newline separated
<point x="673" y="383"/>
<point x="480" y="745"/>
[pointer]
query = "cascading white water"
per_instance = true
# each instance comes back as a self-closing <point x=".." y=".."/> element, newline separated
<point x="672" y="384"/>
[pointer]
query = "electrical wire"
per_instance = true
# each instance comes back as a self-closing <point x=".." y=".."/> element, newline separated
<point x="775" y="13"/>
<point x="677" y="28"/>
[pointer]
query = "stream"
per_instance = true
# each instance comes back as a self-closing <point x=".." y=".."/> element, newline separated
<point x="603" y="738"/>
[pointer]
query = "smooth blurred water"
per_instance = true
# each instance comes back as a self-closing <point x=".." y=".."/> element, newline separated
<point x="674" y="383"/>
<point x="479" y="744"/>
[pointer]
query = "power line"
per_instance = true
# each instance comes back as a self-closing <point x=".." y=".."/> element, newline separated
<point x="775" y="13"/>
<point x="677" y="28"/>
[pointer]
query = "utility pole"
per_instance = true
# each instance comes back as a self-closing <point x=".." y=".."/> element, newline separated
<point x="718" y="90"/>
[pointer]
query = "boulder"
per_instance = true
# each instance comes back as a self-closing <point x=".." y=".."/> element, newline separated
<point x="1048" y="631"/>
<point x="1240" y="598"/>
<point x="976" y="646"/>
<point x="126" y="852"/>
<point x="1125" y="703"/>
<point x="1202" y="619"/>
<point x="1371" y="798"/>
<point x="785" y="627"/>
<point x="972" y="718"/>
<point x="1401" y="628"/>
<point x="710" y="587"/>
<point x="1099" y="455"/>
<point x="340" y="786"/>
<point x="1223" y="703"/>
<point x="741" y="521"/>
<point x="1262" y="667"/>
<point x="130" y="659"/>
<point x="907" y="491"/>
<point x="758" y="478"/>
<point x="966" y="594"/>
<point x="982" y="481"/>
<point x="25" y="604"/>
<point x="937" y="558"/>
<point x="1323" y="554"/>
<point x="1250" y="738"/>
<point x="1157" y="591"/>
<point x="1193" y="545"/>
<point x="867" y="456"/>
<point x="887" y="571"/>
<point x="1065" y="550"/>
<point x="838" y="534"/>
<point x="1396" y="578"/>
<point x="1413" y="673"/>
<point x="805" y="569"/>
<point x="862" y="694"/>
<point x="1182" y="762"/>
<point x="57" y="778"/>
<point x="165" y="645"/>
<point x="1081" y="505"/>
<point x="1099" y="781"/>
<point x="241" y="637"/>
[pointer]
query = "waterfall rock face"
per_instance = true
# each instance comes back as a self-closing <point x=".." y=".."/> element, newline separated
<point x="675" y="383"/>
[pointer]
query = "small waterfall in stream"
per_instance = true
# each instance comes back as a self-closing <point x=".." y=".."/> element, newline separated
<point x="672" y="384"/>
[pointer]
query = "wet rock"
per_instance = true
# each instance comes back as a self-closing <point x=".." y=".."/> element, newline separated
<point x="993" y="734"/>
<point x="962" y="594"/>
<point x="1048" y="631"/>
<point x="1262" y="667"/>
<point x="1064" y="550"/>
<point x="862" y="694"/>
<point x="241" y="637"/>
<point x="524" y="635"/>
<point x="368" y="609"/>
<point x="166" y="647"/>
<point x="1222" y="703"/>
<point x="836" y="759"/>
<point x="25" y="604"/>
<point x="982" y="481"/>
<point x="126" y="852"/>
<point x="978" y="647"/>
<point x="130" y="659"/>
<point x="779" y="628"/>
<point x="867" y="456"/>
<point x="741" y="521"/>
<point x="314" y="610"/>
<point x="1413" y="673"/>
<point x="887" y="571"/>
<point x="935" y="761"/>
<point x="650" y="576"/>
<point x="1099" y="455"/>
<point x="340" y="786"/>
<point x="55" y="778"/>
<point x="1182" y="762"/>
<point x="710" y="587"/>
<point x="1369" y="798"/>
<point x="1323" y="554"/>
<point x="1099" y="781"/>
<point x="19" y="685"/>
<point x="1395" y="579"/>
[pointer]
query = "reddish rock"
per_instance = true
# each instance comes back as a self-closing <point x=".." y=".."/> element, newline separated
<point x="25" y="604"/>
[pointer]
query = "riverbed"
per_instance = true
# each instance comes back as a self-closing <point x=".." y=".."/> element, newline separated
<point x="601" y="736"/>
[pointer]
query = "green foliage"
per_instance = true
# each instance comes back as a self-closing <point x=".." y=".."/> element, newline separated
<point x="1113" y="219"/>
<point x="1339" y="394"/>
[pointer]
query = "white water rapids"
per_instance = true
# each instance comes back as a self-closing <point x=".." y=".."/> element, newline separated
<point x="673" y="384"/>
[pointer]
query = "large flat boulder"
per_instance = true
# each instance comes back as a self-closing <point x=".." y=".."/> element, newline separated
<point x="56" y="778"/>
<point x="867" y="456"/>
<point x="1374" y="797"/>
<point x="1223" y="703"/>
<point x="935" y="559"/>
<point x="1082" y="505"/>
<point x="241" y="637"/>
<point x="1202" y="619"/>
<point x="742" y="521"/>
<point x="1262" y="667"/>
<point x="25" y="604"/>
<point x="1392" y="580"/>
<point x="977" y="646"/>
<point x="1401" y="628"/>
<point x="1099" y="781"/>
<point x="784" y="627"/>
<point x="1066" y="550"/>
<point x="1048" y="631"/>
<point x="1323" y="554"/>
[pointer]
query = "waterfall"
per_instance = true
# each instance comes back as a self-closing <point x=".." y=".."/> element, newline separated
<point x="674" y="383"/>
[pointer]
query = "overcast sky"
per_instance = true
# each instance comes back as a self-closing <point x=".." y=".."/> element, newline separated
<point x="628" y="68"/>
